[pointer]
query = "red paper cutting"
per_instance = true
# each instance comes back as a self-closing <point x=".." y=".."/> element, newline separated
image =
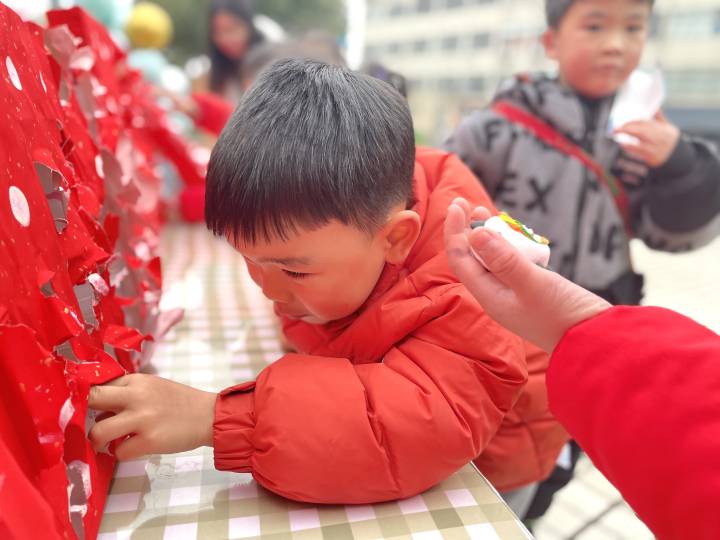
<point x="80" y="279"/>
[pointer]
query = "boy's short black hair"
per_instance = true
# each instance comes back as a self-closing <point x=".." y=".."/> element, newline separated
<point x="310" y="143"/>
<point x="555" y="10"/>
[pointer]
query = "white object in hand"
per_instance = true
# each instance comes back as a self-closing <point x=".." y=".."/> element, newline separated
<point x="533" y="246"/>
<point x="640" y="98"/>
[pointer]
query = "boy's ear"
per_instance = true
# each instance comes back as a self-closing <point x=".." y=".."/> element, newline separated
<point x="400" y="234"/>
<point x="548" y="40"/>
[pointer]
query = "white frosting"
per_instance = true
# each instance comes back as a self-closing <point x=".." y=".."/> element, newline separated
<point x="536" y="252"/>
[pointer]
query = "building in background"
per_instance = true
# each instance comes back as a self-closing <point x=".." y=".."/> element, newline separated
<point x="455" y="52"/>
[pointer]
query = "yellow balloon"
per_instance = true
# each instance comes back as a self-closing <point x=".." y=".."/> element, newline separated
<point x="149" y="26"/>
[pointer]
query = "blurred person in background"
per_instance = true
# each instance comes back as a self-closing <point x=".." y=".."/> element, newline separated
<point x="211" y="112"/>
<point x="545" y="153"/>
<point x="314" y="45"/>
<point x="232" y="36"/>
<point x="393" y="78"/>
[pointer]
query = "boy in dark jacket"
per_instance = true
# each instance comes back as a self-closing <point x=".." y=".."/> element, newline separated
<point x="667" y="185"/>
<point x="544" y="152"/>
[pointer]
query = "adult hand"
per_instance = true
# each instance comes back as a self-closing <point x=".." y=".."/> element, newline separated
<point x="157" y="415"/>
<point x="184" y="104"/>
<point x="534" y="303"/>
<point x="656" y="139"/>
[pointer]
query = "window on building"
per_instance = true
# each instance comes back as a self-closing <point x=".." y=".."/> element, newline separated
<point x="690" y="25"/>
<point x="375" y="11"/>
<point x="481" y="40"/>
<point x="696" y="83"/>
<point x="423" y="6"/>
<point x="449" y="43"/>
<point x="406" y="47"/>
<point x="397" y="10"/>
<point x="454" y="3"/>
<point x="372" y="51"/>
<point x="420" y="45"/>
<point x="476" y="84"/>
<point x="716" y="24"/>
<point x="415" y="85"/>
<point x="448" y="85"/>
<point x="392" y="48"/>
<point x="654" y="27"/>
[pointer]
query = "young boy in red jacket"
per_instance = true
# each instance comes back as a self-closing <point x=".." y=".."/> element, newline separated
<point x="400" y="377"/>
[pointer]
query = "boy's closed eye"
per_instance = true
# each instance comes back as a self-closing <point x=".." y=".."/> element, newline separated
<point x="296" y="275"/>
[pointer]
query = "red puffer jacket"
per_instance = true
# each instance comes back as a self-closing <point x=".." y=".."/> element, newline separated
<point x="388" y="402"/>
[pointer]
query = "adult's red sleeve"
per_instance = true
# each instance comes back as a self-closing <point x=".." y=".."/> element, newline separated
<point x="639" y="389"/>
<point x="213" y="112"/>
<point x="326" y="430"/>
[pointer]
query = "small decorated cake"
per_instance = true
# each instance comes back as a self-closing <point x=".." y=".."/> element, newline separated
<point x="533" y="246"/>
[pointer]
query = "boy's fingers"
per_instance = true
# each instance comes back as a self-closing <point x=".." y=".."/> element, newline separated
<point x="110" y="429"/>
<point x="131" y="448"/>
<point x="638" y="129"/>
<point x="107" y="398"/>
<point x="120" y="381"/>
<point x="636" y="151"/>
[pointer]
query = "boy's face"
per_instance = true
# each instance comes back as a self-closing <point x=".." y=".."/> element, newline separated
<point x="598" y="43"/>
<point x="318" y="275"/>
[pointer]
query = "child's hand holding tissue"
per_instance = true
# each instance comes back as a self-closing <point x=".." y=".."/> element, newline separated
<point x="642" y="129"/>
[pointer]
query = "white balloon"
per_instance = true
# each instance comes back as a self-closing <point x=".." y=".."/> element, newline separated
<point x="174" y="78"/>
<point x="28" y="10"/>
<point x="269" y="28"/>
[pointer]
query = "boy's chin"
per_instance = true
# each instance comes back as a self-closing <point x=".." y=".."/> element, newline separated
<point x="599" y="91"/>
<point x="599" y="94"/>
<point x="312" y="319"/>
<point x="593" y="91"/>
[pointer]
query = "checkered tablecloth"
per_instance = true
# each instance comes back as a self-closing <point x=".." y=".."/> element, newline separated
<point x="227" y="336"/>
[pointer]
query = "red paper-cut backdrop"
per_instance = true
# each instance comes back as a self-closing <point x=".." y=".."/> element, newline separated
<point x="80" y="282"/>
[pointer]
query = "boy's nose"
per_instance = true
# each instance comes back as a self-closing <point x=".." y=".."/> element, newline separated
<point x="614" y="42"/>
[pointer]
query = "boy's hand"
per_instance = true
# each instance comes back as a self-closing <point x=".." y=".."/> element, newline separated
<point x="656" y="139"/>
<point x="534" y="303"/>
<point x="159" y="416"/>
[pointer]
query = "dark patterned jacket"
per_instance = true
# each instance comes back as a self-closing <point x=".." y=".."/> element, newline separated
<point x="675" y="207"/>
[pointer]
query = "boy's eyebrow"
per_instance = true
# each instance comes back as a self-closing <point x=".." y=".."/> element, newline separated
<point x="289" y="261"/>
<point x="597" y="14"/>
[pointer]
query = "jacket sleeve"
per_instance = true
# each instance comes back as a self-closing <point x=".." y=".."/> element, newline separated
<point x="326" y="430"/>
<point x="639" y="389"/>
<point x="213" y="112"/>
<point x="681" y="207"/>
<point x="482" y="141"/>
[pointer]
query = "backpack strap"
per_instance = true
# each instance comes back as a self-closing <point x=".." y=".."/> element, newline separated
<point x="552" y="137"/>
